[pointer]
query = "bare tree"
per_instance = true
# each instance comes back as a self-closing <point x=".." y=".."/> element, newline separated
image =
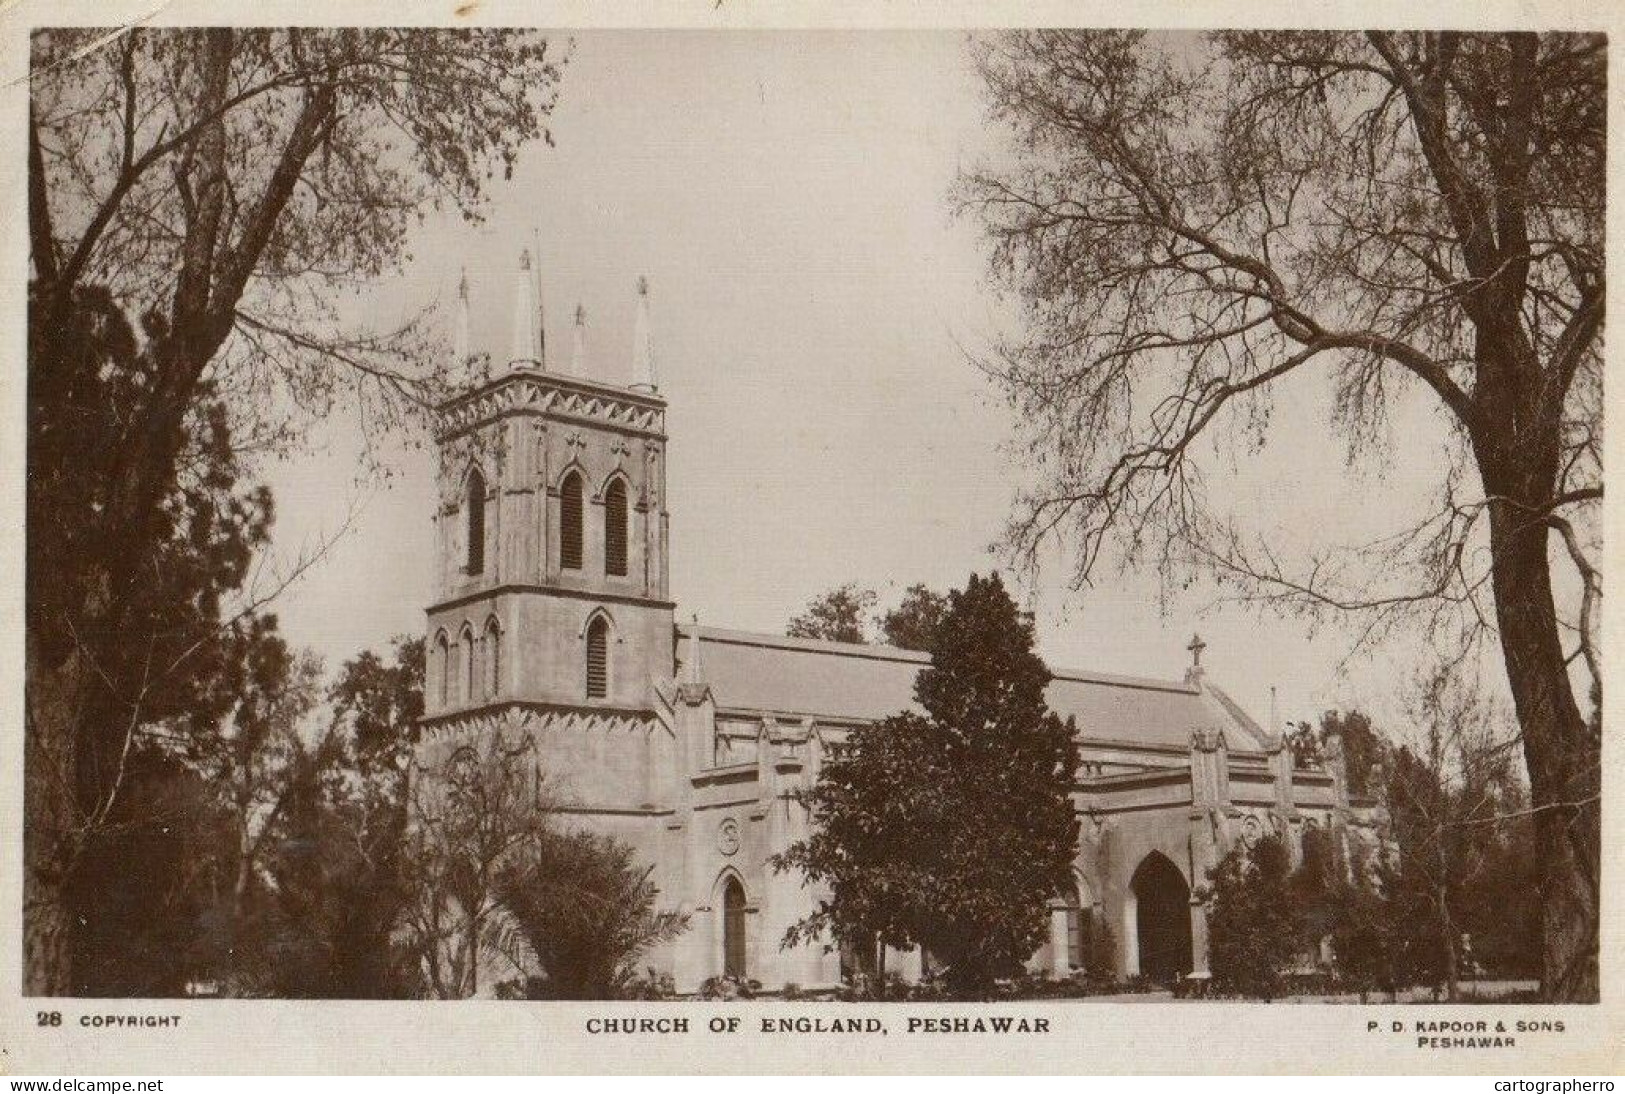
<point x="1447" y="792"/>
<point x="1191" y="221"/>
<point x="223" y="186"/>
<point x="472" y="812"/>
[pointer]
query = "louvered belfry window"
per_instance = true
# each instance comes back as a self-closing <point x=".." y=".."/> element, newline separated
<point x="615" y="529"/>
<point x="570" y="522"/>
<point x="476" y="522"/>
<point x="598" y="659"/>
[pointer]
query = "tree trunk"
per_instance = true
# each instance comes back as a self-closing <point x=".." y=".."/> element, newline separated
<point x="1562" y="753"/>
<point x="51" y="714"/>
<point x="1447" y="930"/>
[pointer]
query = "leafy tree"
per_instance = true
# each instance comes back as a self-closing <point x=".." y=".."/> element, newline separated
<point x="987" y="772"/>
<point x="581" y="914"/>
<point x="342" y="882"/>
<point x="144" y="880"/>
<point x="160" y="672"/>
<point x="1254" y="933"/>
<point x="339" y="888"/>
<point x="912" y="625"/>
<point x="223" y="185"/>
<point x="1363" y="749"/>
<point x="836" y="616"/>
<point x="1366" y="939"/>
<point x="1194" y="223"/>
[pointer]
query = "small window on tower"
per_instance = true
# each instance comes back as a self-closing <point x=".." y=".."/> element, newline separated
<point x="598" y="659"/>
<point x="476" y="522"/>
<point x="493" y="659"/>
<point x="615" y="528"/>
<point x="570" y="522"/>
<point x="442" y="669"/>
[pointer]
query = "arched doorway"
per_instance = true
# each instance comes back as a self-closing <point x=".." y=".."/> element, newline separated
<point x="733" y="929"/>
<point x="1163" y="919"/>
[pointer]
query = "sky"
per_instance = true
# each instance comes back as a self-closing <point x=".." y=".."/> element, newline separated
<point x="816" y="304"/>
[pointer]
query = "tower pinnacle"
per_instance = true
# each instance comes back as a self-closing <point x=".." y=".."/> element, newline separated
<point x="643" y="357"/>
<point x="527" y="347"/>
<point x="459" y="337"/>
<point x="578" y="343"/>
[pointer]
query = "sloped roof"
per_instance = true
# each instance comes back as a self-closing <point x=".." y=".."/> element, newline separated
<point x="836" y="680"/>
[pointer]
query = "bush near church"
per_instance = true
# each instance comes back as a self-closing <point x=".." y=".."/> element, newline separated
<point x="1254" y="928"/>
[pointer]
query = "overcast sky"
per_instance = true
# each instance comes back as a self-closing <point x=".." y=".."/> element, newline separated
<point x="814" y="299"/>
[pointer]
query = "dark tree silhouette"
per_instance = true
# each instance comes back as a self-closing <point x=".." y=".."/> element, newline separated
<point x="952" y="830"/>
<point x="840" y="615"/>
<point x="222" y="185"/>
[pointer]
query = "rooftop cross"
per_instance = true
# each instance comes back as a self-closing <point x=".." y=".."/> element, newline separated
<point x="1196" y="647"/>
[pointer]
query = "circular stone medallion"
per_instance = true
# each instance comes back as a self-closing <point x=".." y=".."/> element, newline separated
<point x="728" y="836"/>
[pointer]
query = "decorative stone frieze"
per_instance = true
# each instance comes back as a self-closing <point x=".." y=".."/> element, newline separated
<point x="530" y="392"/>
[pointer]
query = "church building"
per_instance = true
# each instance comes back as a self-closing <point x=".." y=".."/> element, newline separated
<point x="553" y="618"/>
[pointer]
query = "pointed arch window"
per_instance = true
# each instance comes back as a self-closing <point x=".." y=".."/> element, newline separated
<point x="598" y="658"/>
<point x="493" y="658"/>
<point x="476" y="522"/>
<point x="1078" y="931"/>
<point x="470" y="667"/>
<point x="442" y="669"/>
<point x="615" y="528"/>
<point x="570" y="522"/>
<point x="733" y="929"/>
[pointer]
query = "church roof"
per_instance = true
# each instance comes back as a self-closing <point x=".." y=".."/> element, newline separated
<point x="798" y="677"/>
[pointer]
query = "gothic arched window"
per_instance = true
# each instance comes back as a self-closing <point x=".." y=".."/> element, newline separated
<point x="1079" y="929"/>
<point x="615" y="528"/>
<point x="570" y="522"/>
<point x="493" y="658"/>
<point x="733" y="929"/>
<point x="442" y="669"/>
<point x="454" y="671"/>
<point x="476" y="522"/>
<point x="598" y="658"/>
<point x="470" y="666"/>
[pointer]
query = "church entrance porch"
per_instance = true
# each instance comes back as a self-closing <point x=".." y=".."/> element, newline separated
<point x="1161" y="912"/>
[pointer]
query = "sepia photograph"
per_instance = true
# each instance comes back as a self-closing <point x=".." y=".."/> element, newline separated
<point x="960" y="519"/>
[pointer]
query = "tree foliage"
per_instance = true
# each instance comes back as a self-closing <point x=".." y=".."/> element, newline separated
<point x="912" y="625"/>
<point x="1191" y="223"/>
<point x="1448" y="889"/>
<point x="840" y="615"/>
<point x="581" y="914"/>
<point x="846" y="614"/>
<point x="1254" y="928"/>
<point x="950" y="830"/>
<point x="224" y="186"/>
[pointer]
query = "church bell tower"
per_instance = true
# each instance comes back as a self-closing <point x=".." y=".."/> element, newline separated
<point x="552" y="526"/>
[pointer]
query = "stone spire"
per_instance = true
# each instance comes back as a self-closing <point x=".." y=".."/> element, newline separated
<point x="578" y="343"/>
<point x="527" y="345"/>
<point x="643" y="355"/>
<point x="459" y="336"/>
<point x="692" y="673"/>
